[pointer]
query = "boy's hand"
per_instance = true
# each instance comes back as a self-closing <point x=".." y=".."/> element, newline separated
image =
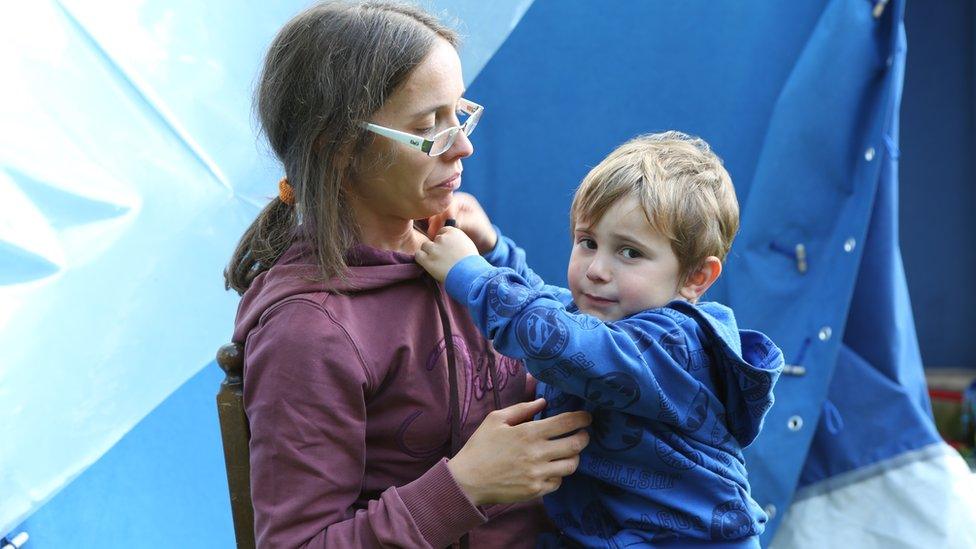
<point x="471" y="219"/>
<point x="448" y="247"/>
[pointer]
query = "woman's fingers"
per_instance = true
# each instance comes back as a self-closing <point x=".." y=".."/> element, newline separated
<point x="561" y="424"/>
<point x="563" y="448"/>
<point x="562" y="467"/>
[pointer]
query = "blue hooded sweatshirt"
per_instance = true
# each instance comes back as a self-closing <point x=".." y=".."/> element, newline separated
<point x="675" y="392"/>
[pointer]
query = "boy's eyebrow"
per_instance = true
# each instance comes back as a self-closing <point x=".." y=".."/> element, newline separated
<point x="625" y="236"/>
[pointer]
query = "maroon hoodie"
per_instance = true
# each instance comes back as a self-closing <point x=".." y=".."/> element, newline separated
<point x="355" y="401"/>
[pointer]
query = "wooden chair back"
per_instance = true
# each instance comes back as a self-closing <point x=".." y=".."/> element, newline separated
<point x="235" y="434"/>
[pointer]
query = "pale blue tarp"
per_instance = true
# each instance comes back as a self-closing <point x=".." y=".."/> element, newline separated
<point x="129" y="166"/>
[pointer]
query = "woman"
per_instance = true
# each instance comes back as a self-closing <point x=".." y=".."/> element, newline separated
<point x="378" y="415"/>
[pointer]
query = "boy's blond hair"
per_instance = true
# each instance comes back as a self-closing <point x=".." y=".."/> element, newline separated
<point x="686" y="194"/>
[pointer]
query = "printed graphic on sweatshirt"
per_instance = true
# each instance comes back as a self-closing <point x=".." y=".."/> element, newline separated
<point x="616" y="432"/>
<point x="676" y="522"/>
<point x="674" y="452"/>
<point x="542" y="333"/>
<point x="720" y="432"/>
<point x="697" y="412"/>
<point x="616" y="474"/>
<point x="676" y="345"/>
<point x="755" y="387"/>
<point x="507" y="299"/>
<point x="616" y="391"/>
<point x="474" y="384"/>
<point x="641" y="338"/>
<point x="731" y="520"/>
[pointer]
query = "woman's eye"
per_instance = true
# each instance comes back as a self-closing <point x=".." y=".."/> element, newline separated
<point x="631" y="253"/>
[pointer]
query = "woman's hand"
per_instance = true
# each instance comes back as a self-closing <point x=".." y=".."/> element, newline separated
<point x="471" y="219"/>
<point x="511" y="458"/>
<point x="448" y="247"/>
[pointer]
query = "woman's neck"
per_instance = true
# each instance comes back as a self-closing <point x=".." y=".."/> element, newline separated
<point x="387" y="233"/>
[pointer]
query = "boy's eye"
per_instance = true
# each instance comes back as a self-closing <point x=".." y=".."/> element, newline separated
<point x="587" y="243"/>
<point x="425" y="131"/>
<point x="631" y="253"/>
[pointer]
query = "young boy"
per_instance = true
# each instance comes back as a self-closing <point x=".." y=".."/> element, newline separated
<point x="675" y="388"/>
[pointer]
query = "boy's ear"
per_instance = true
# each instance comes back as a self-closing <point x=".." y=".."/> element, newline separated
<point x="701" y="279"/>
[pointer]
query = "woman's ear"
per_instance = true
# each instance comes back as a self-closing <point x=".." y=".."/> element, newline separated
<point x="701" y="279"/>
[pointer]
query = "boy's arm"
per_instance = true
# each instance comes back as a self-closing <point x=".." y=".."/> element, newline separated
<point x="622" y="366"/>
<point x="508" y="254"/>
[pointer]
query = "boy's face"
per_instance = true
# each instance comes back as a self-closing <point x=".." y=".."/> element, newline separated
<point x="620" y="266"/>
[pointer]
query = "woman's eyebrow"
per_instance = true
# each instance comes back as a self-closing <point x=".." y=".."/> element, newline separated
<point x="427" y="111"/>
<point x="434" y="108"/>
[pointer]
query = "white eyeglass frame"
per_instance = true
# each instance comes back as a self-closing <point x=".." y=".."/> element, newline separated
<point x="473" y="110"/>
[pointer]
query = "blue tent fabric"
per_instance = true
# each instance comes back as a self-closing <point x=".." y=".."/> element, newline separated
<point x="810" y="142"/>
<point x="828" y="140"/>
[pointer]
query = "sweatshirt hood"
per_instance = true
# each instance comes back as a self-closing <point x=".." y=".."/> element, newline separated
<point x="297" y="272"/>
<point x="749" y="364"/>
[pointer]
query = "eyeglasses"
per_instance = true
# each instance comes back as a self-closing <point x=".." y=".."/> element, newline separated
<point x="467" y="112"/>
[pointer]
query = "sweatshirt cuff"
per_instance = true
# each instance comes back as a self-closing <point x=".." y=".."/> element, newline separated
<point x="462" y="274"/>
<point x="500" y="251"/>
<point x="438" y="506"/>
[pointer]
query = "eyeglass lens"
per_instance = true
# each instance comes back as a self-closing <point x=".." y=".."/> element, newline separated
<point x="444" y="141"/>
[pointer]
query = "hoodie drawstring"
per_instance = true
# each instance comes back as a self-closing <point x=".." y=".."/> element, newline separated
<point x="493" y="379"/>
<point x="452" y="373"/>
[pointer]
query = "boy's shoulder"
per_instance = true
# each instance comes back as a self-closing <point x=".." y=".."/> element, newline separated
<point x="699" y="325"/>
<point x="682" y="314"/>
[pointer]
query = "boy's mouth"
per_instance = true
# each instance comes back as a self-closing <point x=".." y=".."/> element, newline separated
<point x="599" y="300"/>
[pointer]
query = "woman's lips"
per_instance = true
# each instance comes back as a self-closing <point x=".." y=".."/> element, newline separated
<point x="452" y="183"/>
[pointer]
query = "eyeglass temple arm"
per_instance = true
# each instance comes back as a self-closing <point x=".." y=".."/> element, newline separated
<point x="414" y="141"/>
<point x="468" y="106"/>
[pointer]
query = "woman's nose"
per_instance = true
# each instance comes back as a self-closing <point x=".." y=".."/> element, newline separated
<point x="461" y="148"/>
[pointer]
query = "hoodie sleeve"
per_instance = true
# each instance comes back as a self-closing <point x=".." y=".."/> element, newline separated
<point x="507" y="254"/>
<point x="305" y="397"/>
<point x="625" y="365"/>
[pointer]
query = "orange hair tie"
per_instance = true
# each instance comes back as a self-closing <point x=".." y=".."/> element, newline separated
<point x="286" y="193"/>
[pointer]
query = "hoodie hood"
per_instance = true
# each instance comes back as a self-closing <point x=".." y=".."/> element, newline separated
<point x="297" y="272"/>
<point x="749" y="364"/>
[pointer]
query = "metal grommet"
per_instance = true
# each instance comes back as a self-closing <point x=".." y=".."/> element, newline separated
<point x="825" y="333"/>
<point x="795" y="423"/>
<point x="849" y="245"/>
<point x="770" y="510"/>
<point x="869" y="154"/>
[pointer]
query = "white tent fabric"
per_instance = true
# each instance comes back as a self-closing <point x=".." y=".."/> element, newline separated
<point x="128" y="169"/>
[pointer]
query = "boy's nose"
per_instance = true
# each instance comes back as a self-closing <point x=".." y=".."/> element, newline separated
<point x="597" y="271"/>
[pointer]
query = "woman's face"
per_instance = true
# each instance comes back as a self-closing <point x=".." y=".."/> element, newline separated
<point x="395" y="181"/>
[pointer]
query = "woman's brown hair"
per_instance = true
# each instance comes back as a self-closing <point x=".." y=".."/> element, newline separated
<point x="328" y="70"/>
